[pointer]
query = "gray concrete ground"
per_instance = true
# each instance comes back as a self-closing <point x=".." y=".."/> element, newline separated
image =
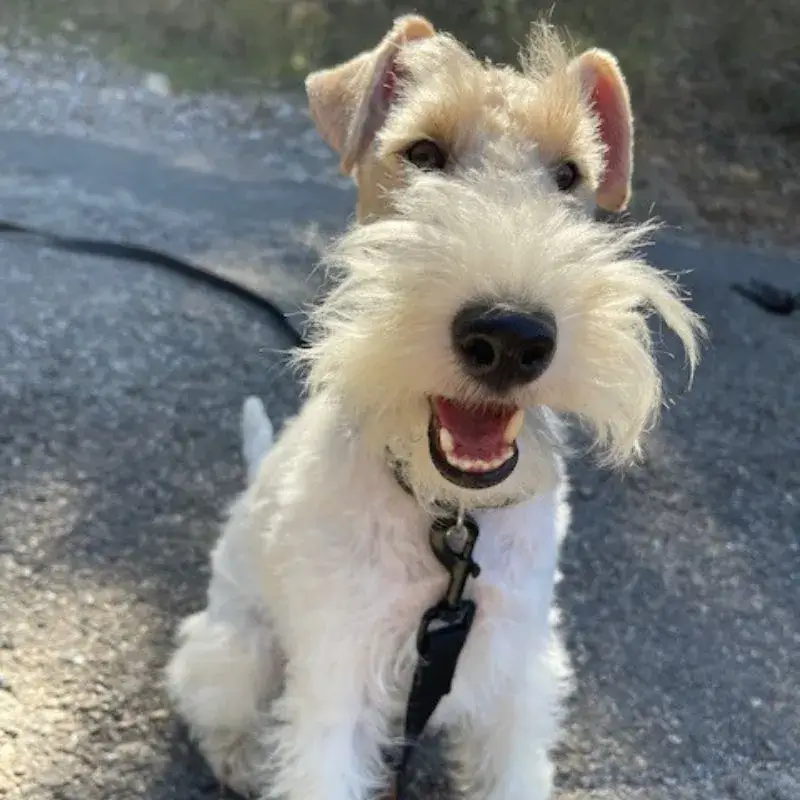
<point x="120" y="388"/>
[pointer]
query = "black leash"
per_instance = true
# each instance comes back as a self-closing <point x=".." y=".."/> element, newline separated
<point x="768" y="297"/>
<point x="444" y="627"/>
<point x="148" y="255"/>
<point x="442" y="634"/>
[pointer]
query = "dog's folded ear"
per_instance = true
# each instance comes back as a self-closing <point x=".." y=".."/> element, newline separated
<point x="349" y="102"/>
<point x="606" y="92"/>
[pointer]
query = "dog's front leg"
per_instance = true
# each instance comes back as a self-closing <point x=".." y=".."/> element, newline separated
<point x="493" y="763"/>
<point x="328" y="739"/>
<point x="502" y="750"/>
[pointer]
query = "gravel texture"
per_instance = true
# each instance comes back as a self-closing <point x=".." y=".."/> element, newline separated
<point x="120" y="389"/>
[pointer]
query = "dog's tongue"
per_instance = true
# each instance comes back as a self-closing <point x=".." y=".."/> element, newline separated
<point x="478" y="433"/>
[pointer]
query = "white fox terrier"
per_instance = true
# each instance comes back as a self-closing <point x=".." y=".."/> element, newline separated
<point x="478" y="304"/>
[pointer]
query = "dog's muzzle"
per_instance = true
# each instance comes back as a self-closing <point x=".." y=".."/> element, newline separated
<point x="502" y="348"/>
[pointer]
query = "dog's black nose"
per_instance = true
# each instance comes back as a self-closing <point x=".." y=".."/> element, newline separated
<point x="503" y="347"/>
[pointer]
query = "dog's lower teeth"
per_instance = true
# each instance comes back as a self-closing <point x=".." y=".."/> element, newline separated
<point x="478" y="465"/>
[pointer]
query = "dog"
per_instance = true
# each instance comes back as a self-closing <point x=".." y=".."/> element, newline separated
<point x="478" y="309"/>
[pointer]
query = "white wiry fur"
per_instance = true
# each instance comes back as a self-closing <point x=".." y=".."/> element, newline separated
<point x="294" y="675"/>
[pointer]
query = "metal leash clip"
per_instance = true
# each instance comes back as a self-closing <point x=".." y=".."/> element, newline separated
<point x="452" y="544"/>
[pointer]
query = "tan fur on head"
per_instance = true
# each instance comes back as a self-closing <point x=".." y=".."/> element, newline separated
<point x="557" y="106"/>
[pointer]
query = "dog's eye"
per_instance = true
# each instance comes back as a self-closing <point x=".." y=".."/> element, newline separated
<point x="426" y="154"/>
<point x="566" y="175"/>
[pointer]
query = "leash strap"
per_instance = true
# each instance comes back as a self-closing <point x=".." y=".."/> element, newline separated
<point x="148" y="255"/>
<point x="441" y="636"/>
<point x="768" y="297"/>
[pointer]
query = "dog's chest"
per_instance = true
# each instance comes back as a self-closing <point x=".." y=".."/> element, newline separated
<point x="512" y="599"/>
<point x="412" y="579"/>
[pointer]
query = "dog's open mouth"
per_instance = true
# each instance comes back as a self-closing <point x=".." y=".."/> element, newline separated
<point x="474" y="446"/>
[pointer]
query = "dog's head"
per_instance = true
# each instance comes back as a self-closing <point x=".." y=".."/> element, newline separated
<point x="483" y="298"/>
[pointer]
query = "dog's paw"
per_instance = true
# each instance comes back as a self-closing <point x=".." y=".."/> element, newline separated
<point x="257" y="435"/>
